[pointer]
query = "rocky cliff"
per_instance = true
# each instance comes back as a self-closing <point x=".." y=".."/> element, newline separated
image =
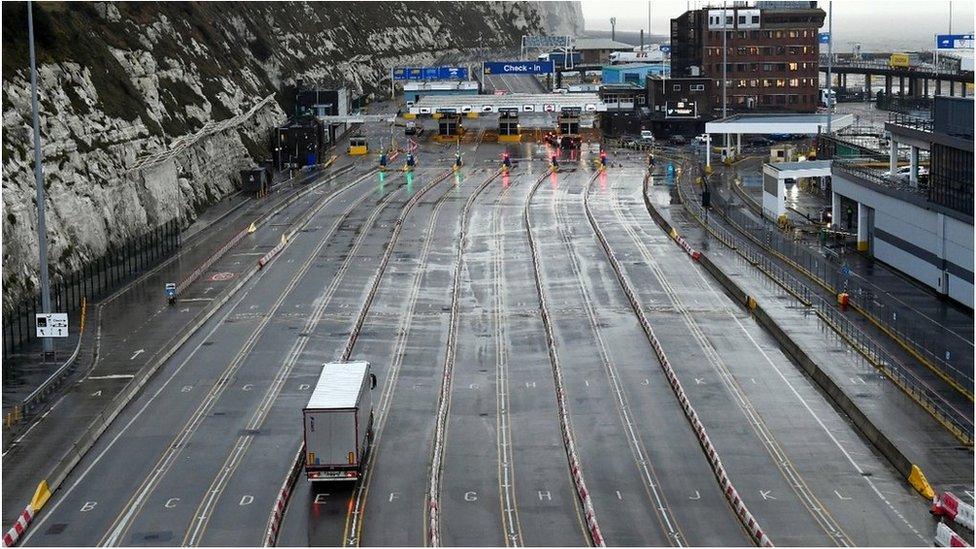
<point x="149" y="110"/>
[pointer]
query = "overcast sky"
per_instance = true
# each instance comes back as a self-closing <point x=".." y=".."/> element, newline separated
<point x="867" y="21"/>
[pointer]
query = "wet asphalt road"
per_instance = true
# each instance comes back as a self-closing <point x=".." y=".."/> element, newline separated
<point x="200" y="454"/>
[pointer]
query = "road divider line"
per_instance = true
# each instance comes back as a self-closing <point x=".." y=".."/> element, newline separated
<point x="432" y="522"/>
<point x="645" y="466"/>
<point x="83" y="444"/>
<point x="739" y="507"/>
<point x="764" y="434"/>
<point x="278" y="510"/>
<point x="205" y="510"/>
<point x="124" y="521"/>
<point x="569" y="439"/>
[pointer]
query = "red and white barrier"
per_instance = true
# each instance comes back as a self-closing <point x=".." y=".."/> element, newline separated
<point x="23" y="521"/>
<point x="950" y="506"/>
<point x="746" y="518"/>
<point x="278" y="511"/>
<point x="576" y="471"/>
<point x="945" y="537"/>
<point x="273" y="252"/>
<point x="185" y="283"/>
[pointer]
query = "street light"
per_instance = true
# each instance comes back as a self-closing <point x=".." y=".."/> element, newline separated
<point x="39" y="182"/>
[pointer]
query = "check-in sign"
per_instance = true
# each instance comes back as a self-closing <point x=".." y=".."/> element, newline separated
<point x="52" y="324"/>
<point x="518" y="67"/>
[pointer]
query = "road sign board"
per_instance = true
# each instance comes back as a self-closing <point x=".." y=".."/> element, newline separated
<point x="549" y="107"/>
<point x="681" y="109"/>
<point x="665" y="48"/>
<point x="953" y="41"/>
<point x="51" y="324"/>
<point x="518" y="67"/>
<point x="430" y="73"/>
<point x="825" y="38"/>
<point x="547" y="42"/>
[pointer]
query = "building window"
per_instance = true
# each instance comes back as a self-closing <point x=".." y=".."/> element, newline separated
<point x="697" y="87"/>
<point x="791" y="34"/>
<point x="794" y="82"/>
<point x="676" y="87"/>
<point x="793" y="66"/>
<point x="755" y="19"/>
<point x="742" y="19"/>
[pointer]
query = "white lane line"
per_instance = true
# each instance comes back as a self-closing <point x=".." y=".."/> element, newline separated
<point x="826" y="430"/>
<point x="112" y="376"/>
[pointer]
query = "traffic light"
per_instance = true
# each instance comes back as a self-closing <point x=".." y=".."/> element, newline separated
<point x="383" y="161"/>
<point x="706" y="197"/>
<point x="506" y="162"/>
<point x="555" y="163"/>
<point x="603" y="160"/>
<point x="457" y="162"/>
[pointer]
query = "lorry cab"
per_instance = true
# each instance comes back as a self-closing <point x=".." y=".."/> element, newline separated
<point x="358" y="146"/>
<point x="338" y="422"/>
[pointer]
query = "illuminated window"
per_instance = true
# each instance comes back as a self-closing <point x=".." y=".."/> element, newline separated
<point x="793" y="66"/>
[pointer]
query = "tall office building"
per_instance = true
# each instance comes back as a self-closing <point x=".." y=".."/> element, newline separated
<point x="772" y="53"/>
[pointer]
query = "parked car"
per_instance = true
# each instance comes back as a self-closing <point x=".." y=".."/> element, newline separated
<point x="646" y="136"/>
<point x="701" y="139"/>
<point x="677" y="139"/>
<point x="760" y="142"/>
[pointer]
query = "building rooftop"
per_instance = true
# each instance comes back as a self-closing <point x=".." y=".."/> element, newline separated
<point x="635" y="66"/>
<point x="799" y="123"/>
<point x="601" y="44"/>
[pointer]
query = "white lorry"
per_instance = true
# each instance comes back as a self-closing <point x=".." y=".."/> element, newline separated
<point x="338" y="422"/>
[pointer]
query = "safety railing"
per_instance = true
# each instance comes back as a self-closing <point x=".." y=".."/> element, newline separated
<point x="954" y="420"/>
<point x="95" y="278"/>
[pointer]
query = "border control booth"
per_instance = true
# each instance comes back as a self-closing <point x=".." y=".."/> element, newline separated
<point x="567" y="111"/>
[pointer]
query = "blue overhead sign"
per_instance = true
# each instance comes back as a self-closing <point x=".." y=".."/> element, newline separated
<point x="953" y="41"/>
<point x="430" y="73"/>
<point x="518" y="67"/>
<point x="665" y="48"/>
<point x="825" y="38"/>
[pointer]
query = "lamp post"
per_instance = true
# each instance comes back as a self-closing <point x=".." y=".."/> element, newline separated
<point x="39" y="183"/>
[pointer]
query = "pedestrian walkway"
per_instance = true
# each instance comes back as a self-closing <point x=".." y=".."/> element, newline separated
<point x="947" y="465"/>
<point x="937" y="330"/>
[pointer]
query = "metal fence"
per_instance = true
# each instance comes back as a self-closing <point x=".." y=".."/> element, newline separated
<point x="924" y="335"/>
<point x="96" y="278"/>
<point x="878" y="355"/>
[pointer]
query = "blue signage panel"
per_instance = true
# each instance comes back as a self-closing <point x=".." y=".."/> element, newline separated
<point x="452" y="73"/>
<point x="518" y="67"/>
<point x="953" y="41"/>
<point x="430" y="73"/>
<point x="825" y="38"/>
<point x="665" y="48"/>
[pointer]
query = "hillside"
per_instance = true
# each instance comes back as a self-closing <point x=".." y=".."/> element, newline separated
<point x="131" y="92"/>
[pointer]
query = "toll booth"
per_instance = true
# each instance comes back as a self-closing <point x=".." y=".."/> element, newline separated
<point x="508" y="127"/>
<point x="569" y="128"/>
<point x="449" y="125"/>
<point x="569" y="122"/>
<point x="255" y="182"/>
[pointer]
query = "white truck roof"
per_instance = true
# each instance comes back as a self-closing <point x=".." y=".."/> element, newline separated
<point x="338" y="386"/>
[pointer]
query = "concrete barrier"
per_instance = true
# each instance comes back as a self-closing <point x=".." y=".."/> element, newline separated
<point x="864" y="425"/>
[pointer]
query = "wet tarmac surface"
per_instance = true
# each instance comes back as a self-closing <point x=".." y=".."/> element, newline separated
<point x="199" y="455"/>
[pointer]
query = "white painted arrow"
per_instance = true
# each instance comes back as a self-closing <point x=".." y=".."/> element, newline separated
<point x="137" y="353"/>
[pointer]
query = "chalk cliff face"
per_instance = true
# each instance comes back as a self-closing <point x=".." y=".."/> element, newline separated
<point x="149" y="110"/>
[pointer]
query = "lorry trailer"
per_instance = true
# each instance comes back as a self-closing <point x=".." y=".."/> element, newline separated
<point x="338" y="422"/>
